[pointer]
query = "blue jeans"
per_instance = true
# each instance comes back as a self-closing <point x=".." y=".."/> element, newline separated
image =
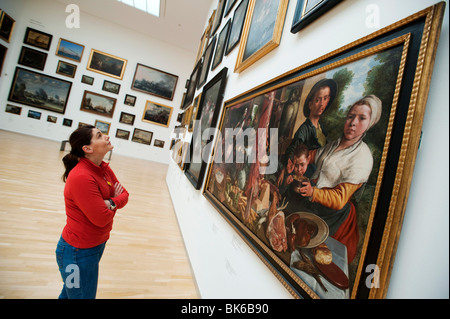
<point x="79" y="270"/>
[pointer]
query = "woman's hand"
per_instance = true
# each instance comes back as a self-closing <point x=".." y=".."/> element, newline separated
<point x="118" y="189"/>
<point x="306" y="190"/>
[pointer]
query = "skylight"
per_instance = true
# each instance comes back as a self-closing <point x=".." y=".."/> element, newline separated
<point x="149" y="6"/>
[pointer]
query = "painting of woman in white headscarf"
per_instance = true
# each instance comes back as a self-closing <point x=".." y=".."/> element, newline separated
<point x="341" y="190"/>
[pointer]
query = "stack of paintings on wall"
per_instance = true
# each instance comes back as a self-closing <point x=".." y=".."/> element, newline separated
<point x="33" y="87"/>
<point x="312" y="168"/>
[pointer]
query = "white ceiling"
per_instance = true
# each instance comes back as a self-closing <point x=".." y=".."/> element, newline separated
<point x="181" y="22"/>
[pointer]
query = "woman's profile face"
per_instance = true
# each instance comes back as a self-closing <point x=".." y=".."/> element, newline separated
<point x="100" y="142"/>
<point x="357" y="122"/>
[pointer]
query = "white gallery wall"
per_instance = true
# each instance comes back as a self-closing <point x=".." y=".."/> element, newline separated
<point x="50" y="16"/>
<point x="226" y="267"/>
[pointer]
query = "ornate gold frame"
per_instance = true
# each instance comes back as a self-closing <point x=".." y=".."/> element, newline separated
<point x="415" y="70"/>
<point x="242" y="64"/>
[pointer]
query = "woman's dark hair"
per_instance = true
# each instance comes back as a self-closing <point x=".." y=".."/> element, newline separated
<point x="80" y="137"/>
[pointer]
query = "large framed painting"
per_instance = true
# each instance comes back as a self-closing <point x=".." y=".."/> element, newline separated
<point x="307" y="11"/>
<point x="156" y="113"/>
<point x="207" y="115"/>
<point x="98" y="104"/>
<point x="313" y="167"/>
<point x="262" y="31"/>
<point x="155" y="82"/>
<point x="39" y="90"/>
<point x="106" y="64"/>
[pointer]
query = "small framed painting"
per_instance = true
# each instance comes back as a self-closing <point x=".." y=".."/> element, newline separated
<point x="65" y="68"/>
<point x="156" y="113"/>
<point x="142" y="136"/>
<point x="98" y="104"/>
<point x="103" y="126"/>
<point x="69" y="50"/>
<point x="38" y="38"/>
<point x="122" y="134"/>
<point x="112" y="87"/>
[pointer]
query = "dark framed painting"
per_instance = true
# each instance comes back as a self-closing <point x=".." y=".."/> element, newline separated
<point x="230" y="4"/>
<point x="65" y="68"/>
<point x="127" y="118"/>
<point x="34" y="114"/>
<point x="207" y="57"/>
<point x="6" y="26"/>
<point x="39" y="90"/>
<point x="13" y="109"/>
<point x="307" y="11"/>
<point x="129" y="100"/>
<point x="155" y="82"/>
<point x="87" y="79"/>
<point x="159" y="143"/>
<point x="111" y="87"/>
<point x="142" y="136"/>
<point x="262" y="31"/>
<point x="122" y="134"/>
<point x="207" y="115"/>
<point x="313" y="168"/>
<point x="236" y="26"/>
<point x="156" y="113"/>
<point x="67" y="122"/>
<point x="218" y="16"/>
<point x="51" y="118"/>
<point x="98" y="104"/>
<point x="69" y="50"/>
<point x="193" y="81"/>
<point x="222" y="41"/>
<point x="106" y="64"/>
<point x="32" y="58"/>
<point x="38" y="38"/>
<point x="3" y="51"/>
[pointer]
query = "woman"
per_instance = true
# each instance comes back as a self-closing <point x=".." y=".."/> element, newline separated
<point x="343" y="167"/>
<point x="92" y="196"/>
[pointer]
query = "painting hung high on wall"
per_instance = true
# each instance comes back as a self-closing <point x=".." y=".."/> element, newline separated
<point x="262" y="31"/>
<point x="310" y="168"/>
<point x="106" y="64"/>
<point x="153" y="81"/>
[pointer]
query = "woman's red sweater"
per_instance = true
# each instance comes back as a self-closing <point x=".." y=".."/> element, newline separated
<point x="89" y="221"/>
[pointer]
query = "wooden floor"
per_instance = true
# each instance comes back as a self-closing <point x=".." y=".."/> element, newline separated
<point x="145" y="256"/>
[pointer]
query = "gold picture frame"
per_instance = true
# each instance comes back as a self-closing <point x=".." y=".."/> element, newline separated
<point x="400" y="78"/>
<point x="156" y="113"/>
<point x="106" y="64"/>
<point x="262" y="18"/>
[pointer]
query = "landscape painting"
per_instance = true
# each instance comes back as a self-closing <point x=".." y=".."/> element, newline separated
<point x="39" y="90"/>
<point x="155" y="82"/>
